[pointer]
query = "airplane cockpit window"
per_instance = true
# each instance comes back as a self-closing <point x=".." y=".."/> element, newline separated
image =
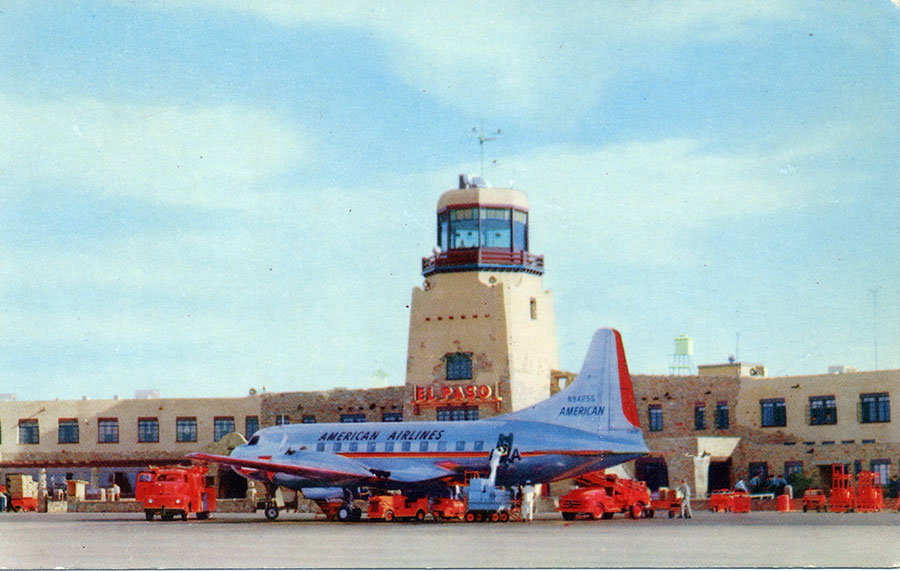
<point x="253" y="440"/>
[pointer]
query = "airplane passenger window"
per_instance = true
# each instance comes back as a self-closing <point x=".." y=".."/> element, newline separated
<point x="479" y="445"/>
<point x="423" y="446"/>
<point x="388" y="446"/>
<point x="370" y="447"/>
<point x="406" y="446"/>
<point x="460" y="445"/>
<point x="442" y="446"/>
<point x="320" y="447"/>
<point x="337" y="446"/>
<point x="354" y="446"/>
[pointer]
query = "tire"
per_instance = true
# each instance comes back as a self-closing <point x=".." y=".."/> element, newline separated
<point x="649" y="514"/>
<point x="479" y="517"/>
<point x="504" y="516"/>
<point x="420" y="515"/>
<point x="494" y="517"/>
<point x="344" y="513"/>
<point x="271" y="512"/>
<point x="148" y="514"/>
<point x="598" y="512"/>
<point x="470" y="517"/>
<point x="389" y="516"/>
<point x="636" y="511"/>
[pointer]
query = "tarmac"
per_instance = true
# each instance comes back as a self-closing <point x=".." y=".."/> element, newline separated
<point x="233" y="541"/>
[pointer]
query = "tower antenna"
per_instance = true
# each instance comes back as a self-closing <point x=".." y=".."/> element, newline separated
<point x="482" y="139"/>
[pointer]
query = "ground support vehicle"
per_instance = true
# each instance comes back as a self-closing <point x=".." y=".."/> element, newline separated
<point x="599" y="495"/>
<point x="869" y="495"/>
<point x="487" y="502"/>
<point x="721" y="501"/>
<point x="397" y="507"/>
<point x="843" y="493"/>
<point x="448" y="508"/>
<point x="175" y="491"/>
<point x="740" y="502"/>
<point x="667" y="501"/>
<point x="23" y="492"/>
<point x="814" y="499"/>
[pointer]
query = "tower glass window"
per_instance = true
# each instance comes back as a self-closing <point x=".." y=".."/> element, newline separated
<point x="463" y="228"/>
<point x="459" y="366"/>
<point x="496" y="231"/>
<point x="520" y="230"/>
<point x="68" y="431"/>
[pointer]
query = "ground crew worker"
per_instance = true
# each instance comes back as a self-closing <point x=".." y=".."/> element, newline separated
<point x="528" y="502"/>
<point x="685" y="490"/>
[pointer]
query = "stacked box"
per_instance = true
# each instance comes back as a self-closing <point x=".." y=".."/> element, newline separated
<point x="22" y="486"/>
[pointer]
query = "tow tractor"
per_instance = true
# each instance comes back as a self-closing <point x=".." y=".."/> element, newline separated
<point x="599" y="495"/>
<point x="168" y="492"/>
<point x="391" y="507"/>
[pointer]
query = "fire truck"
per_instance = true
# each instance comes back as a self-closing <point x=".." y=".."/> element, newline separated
<point x="599" y="495"/>
<point x="168" y="492"/>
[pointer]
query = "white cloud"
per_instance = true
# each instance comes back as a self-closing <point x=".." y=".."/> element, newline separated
<point x="520" y="59"/>
<point x="162" y="153"/>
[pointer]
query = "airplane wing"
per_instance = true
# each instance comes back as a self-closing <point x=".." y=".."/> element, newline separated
<point x="329" y="469"/>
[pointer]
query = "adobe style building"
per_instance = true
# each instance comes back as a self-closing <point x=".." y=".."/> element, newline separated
<point x="482" y="342"/>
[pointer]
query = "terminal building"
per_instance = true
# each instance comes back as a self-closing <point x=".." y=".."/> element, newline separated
<point x="482" y="342"/>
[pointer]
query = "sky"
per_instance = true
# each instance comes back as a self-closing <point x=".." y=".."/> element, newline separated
<point x="204" y="197"/>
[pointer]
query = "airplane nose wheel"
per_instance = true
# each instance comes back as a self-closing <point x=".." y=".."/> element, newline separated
<point x="271" y="512"/>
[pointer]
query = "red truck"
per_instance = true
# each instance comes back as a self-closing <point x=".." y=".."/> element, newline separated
<point x="599" y="495"/>
<point x="391" y="507"/>
<point x="175" y="491"/>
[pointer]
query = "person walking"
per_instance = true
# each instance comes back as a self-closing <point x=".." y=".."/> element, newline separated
<point x="685" y="490"/>
<point x="528" y="502"/>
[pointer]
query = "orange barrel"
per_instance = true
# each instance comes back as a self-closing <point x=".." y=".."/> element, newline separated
<point x="784" y="503"/>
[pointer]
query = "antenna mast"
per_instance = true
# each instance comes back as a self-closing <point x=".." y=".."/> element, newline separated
<point x="482" y="139"/>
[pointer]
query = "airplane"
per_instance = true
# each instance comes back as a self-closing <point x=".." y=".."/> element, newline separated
<point x="589" y="425"/>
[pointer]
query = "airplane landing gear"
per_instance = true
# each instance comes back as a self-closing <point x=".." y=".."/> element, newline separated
<point x="271" y="512"/>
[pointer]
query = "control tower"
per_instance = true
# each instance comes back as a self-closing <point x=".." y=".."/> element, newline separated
<point x="482" y="330"/>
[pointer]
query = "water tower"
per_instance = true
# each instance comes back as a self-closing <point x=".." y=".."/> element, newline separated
<point x="683" y="359"/>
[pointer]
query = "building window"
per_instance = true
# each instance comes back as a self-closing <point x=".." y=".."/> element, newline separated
<point x="452" y="413"/>
<point x="722" y="415"/>
<point x="772" y="412"/>
<point x="29" y="431"/>
<point x="353" y="417"/>
<point x="883" y="468"/>
<point x="282" y="419"/>
<point x="222" y="425"/>
<point x="700" y="416"/>
<point x="148" y="430"/>
<point x="822" y="410"/>
<point x="251" y="425"/>
<point x="309" y="419"/>
<point x="392" y="417"/>
<point x="792" y="467"/>
<point x="874" y="407"/>
<point x="68" y="431"/>
<point x="107" y="430"/>
<point x="459" y="366"/>
<point x="186" y="429"/>
<point x="656" y="418"/>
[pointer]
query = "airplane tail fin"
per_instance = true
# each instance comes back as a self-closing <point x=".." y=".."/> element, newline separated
<point x="601" y="399"/>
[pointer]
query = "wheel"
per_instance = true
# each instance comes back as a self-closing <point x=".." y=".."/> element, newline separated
<point x="271" y="512"/>
<point x="389" y="516"/>
<point x="183" y="515"/>
<point x="671" y="514"/>
<point x="636" y="511"/>
<point x="149" y="515"/>
<point x="202" y="515"/>
<point x="344" y="513"/>
<point x="598" y="512"/>
<point x="470" y="517"/>
<point x="494" y="517"/>
<point x="504" y="516"/>
<point x="649" y="514"/>
<point x="479" y="517"/>
<point x="805" y="508"/>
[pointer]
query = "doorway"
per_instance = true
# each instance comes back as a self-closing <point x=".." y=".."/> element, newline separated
<point x="653" y="471"/>
<point x="719" y="475"/>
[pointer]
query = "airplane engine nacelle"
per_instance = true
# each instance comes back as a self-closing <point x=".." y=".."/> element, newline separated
<point x="323" y="493"/>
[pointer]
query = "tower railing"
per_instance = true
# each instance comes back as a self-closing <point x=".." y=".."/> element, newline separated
<point x="470" y="259"/>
